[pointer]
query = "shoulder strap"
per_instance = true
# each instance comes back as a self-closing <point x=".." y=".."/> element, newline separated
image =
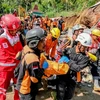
<point x="26" y="53"/>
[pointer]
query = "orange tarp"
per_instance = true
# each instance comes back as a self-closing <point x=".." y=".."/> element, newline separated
<point x="54" y="67"/>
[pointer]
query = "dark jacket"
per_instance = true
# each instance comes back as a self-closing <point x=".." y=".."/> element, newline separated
<point x="98" y="56"/>
<point x="28" y="70"/>
<point x="60" y="24"/>
<point x="77" y="62"/>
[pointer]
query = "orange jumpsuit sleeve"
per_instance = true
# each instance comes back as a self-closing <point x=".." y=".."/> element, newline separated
<point x="63" y="26"/>
<point x="53" y="49"/>
<point x="49" y="22"/>
<point x="48" y="43"/>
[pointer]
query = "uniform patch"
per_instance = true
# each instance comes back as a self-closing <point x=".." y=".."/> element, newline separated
<point x="5" y="45"/>
<point x="35" y="67"/>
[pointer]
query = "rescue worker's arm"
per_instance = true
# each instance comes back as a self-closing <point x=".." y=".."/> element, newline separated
<point x="47" y="43"/>
<point x="78" y="65"/>
<point x="98" y="56"/>
<point x="53" y="50"/>
<point x="18" y="56"/>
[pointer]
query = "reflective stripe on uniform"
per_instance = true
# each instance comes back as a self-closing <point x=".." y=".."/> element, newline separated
<point x="2" y="91"/>
<point x="6" y="64"/>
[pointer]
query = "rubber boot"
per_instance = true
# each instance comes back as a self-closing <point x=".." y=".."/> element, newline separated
<point x="96" y="84"/>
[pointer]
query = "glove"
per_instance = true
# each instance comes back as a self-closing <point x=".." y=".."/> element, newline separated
<point x="64" y="59"/>
<point x="92" y="57"/>
<point x="45" y="65"/>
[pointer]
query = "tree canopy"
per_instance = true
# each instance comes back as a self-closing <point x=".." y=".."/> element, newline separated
<point x="49" y="7"/>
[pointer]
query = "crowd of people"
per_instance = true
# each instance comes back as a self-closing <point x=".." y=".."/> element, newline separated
<point x="22" y="41"/>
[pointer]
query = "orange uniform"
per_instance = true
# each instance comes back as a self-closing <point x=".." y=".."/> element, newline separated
<point x="55" y="23"/>
<point x="51" y="45"/>
<point x="63" y="26"/>
<point x="49" y="23"/>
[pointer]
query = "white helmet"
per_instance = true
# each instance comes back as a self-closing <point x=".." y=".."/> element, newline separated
<point x="76" y="27"/>
<point x="85" y="39"/>
<point x="87" y="30"/>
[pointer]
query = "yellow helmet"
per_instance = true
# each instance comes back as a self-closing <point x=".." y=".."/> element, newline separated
<point x="96" y="32"/>
<point x="55" y="32"/>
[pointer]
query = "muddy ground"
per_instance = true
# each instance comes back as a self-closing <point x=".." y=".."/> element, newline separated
<point x="83" y="93"/>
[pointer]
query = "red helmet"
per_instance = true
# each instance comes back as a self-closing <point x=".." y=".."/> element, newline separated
<point x="98" y="25"/>
<point x="18" y="21"/>
<point x="10" y="21"/>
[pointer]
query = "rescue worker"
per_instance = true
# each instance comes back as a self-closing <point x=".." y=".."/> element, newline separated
<point x="50" y="49"/>
<point x="36" y="24"/>
<point x="78" y="60"/>
<point x="45" y="21"/>
<point x="95" y="34"/>
<point x="49" y="24"/>
<point x="10" y="45"/>
<point x="77" y="29"/>
<point x="55" y="24"/>
<point x="51" y="42"/>
<point x="28" y="71"/>
<point x="21" y="34"/>
<point x="60" y="22"/>
<point x="63" y="26"/>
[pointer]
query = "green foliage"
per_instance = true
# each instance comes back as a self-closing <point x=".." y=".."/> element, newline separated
<point x="51" y="14"/>
<point x="49" y="7"/>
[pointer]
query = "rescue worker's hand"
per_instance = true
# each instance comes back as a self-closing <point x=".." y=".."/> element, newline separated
<point x="45" y="65"/>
